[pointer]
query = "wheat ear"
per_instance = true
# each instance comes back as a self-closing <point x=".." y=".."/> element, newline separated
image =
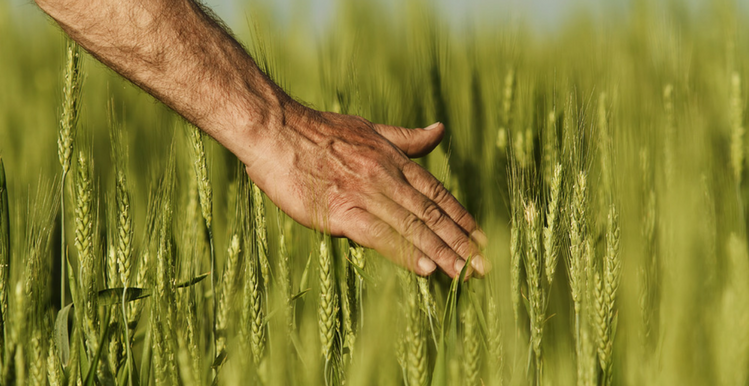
<point x="533" y="269"/>
<point x="205" y="191"/>
<point x="471" y="346"/>
<point x="328" y="307"/>
<point x="551" y="229"/>
<point x="71" y="96"/>
<point x="84" y="242"/>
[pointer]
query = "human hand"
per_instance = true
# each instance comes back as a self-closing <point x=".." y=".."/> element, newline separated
<point x="353" y="178"/>
<point x="338" y="173"/>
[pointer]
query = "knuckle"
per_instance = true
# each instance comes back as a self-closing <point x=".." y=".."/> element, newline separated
<point x="410" y="224"/>
<point x="377" y="230"/>
<point x="465" y="220"/>
<point x="340" y="204"/>
<point x="436" y="190"/>
<point x="463" y="247"/>
<point x="443" y="255"/>
<point x="432" y="214"/>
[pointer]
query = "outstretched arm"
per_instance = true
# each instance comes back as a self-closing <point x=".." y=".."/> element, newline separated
<point x="335" y="172"/>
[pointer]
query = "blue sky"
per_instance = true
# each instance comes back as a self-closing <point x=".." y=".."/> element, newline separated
<point x="542" y="14"/>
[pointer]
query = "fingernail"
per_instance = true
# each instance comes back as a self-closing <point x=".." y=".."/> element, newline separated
<point x="477" y="262"/>
<point x="432" y="126"/>
<point x="459" y="264"/>
<point x="426" y="265"/>
<point x="480" y="237"/>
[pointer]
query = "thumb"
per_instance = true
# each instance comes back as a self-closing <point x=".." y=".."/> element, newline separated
<point x="414" y="142"/>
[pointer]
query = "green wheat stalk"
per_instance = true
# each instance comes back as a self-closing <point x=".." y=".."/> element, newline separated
<point x="284" y="273"/>
<point x="551" y="155"/>
<point x="55" y="374"/>
<point x="415" y="360"/>
<point x="533" y="269"/>
<point x="71" y="96"/>
<point x="84" y="243"/>
<point x="252" y="319"/>
<point x="261" y="235"/>
<point x="494" y="341"/>
<point x="205" y="191"/>
<point x="227" y="292"/>
<point x="551" y="229"/>
<point x="328" y="307"/>
<point x="605" y="296"/>
<point x="737" y="128"/>
<point x="4" y="259"/>
<point x="471" y="346"/>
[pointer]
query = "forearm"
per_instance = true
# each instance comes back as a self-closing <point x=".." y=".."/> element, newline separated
<point x="177" y="53"/>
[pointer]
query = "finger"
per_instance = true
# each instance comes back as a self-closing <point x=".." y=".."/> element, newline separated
<point x="414" y="142"/>
<point x="416" y="231"/>
<point x="437" y="220"/>
<point x="370" y="231"/>
<point x="429" y="186"/>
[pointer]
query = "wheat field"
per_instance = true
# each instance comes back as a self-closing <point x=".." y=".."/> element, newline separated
<point x="606" y="162"/>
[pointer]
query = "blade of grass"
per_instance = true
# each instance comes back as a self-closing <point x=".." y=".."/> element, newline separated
<point x="91" y="374"/>
<point x="450" y="329"/>
<point x="62" y="336"/>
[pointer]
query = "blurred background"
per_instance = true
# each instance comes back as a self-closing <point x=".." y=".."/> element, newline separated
<point x="647" y="98"/>
<point x="543" y="15"/>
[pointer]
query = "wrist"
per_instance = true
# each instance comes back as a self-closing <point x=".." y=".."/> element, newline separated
<point x="259" y="126"/>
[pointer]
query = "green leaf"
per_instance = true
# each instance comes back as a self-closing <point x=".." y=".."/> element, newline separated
<point x="296" y="344"/>
<point x="464" y="271"/>
<point x="4" y="217"/>
<point x="146" y="357"/>
<point x="4" y="243"/>
<point x="439" y="374"/>
<point x="299" y="295"/>
<point x="220" y="359"/>
<point x="361" y="272"/>
<point x="193" y="281"/>
<point x="72" y="279"/>
<point x="269" y="317"/>
<point x="450" y="324"/>
<point x="91" y="375"/>
<point x="62" y="337"/>
<point x="113" y="296"/>
<point x="480" y="313"/>
<point x="614" y="324"/>
<point x="124" y="377"/>
<point x="305" y="274"/>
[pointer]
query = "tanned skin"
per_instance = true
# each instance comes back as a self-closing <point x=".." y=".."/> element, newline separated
<point x="338" y="173"/>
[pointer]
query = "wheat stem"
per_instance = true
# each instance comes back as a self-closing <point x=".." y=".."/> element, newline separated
<point x="737" y="128"/>
<point x="4" y="259"/>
